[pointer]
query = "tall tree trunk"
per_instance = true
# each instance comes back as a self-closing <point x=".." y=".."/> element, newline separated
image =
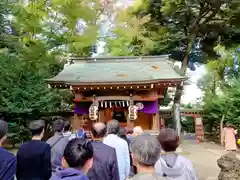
<point x="221" y="130"/>
<point x="188" y="51"/>
<point x="176" y="110"/>
<point x="214" y="85"/>
<point x="176" y="105"/>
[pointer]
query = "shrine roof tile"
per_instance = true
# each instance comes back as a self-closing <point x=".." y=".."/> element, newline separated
<point x="118" y="70"/>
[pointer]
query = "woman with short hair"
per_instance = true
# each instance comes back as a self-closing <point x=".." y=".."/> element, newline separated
<point x="171" y="164"/>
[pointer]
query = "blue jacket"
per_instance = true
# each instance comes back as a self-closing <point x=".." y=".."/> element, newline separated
<point x="105" y="165"/>
<point x="8" y="165"/>
<point x="69" y="174"/>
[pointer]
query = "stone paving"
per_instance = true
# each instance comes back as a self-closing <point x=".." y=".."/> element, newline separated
<point x="204" y="157"/>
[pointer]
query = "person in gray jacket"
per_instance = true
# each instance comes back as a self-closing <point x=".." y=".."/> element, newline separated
<point x="58" y="125"/>
<point x="171" y="164"/>
<point x="58" y="142"/>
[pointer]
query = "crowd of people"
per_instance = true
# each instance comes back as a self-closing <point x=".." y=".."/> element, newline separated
<point x="112" y="153"/>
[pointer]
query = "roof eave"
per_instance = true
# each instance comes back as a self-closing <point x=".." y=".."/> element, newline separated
<point x="174" y="80"/>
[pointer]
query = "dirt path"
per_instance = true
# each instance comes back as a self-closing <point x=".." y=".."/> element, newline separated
<point x="204" y="157"/>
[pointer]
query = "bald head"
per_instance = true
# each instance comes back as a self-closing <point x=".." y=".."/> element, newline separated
<point x="137" y="131"/>
<point x="98" y="130"/>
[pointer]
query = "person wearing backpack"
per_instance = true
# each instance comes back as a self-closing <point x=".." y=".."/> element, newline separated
<point x="58" y="128"/>
<point x="58" y="142"/>
<point x="171" y="164"/>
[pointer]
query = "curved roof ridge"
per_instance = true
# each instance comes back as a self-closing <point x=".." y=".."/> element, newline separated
<point x="119" y="59"/>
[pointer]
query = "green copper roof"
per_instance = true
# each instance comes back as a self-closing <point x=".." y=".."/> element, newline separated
<point x="117" y="70"/>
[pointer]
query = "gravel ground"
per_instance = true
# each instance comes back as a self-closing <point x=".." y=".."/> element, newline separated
<point x="204" y="157"/>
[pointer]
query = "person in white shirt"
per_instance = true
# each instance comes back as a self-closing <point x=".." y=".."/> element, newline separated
<point x="120" y="146"/>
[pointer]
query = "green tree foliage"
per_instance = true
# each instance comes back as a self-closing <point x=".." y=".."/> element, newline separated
<point x="221" y="70"/>
<point x="225" y="105"/>
<point x="7" y="37"/>
<point x="23" y="89"/>
<point x="165" y="35"/>
<point x="36" y="36"/>
<point x="69" y="26"/>
<point x="175" y="23"/>
<point x="128" y="35"/>
<point x="221" y="87"/>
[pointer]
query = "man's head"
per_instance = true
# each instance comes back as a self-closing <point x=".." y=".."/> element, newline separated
<point x="145" y="151"/>
<point x="3" y="131"/>
<point x="122" y="133"/>
<point x="58" y="125"/>
<point x="78" y="154"/>
<point x="128" y="130"/>
<point x="66" y="126"/>
<point x="98" y="130"/>
<point x="137" y="131"/>
<point x="37" y="128"/>
<point x="113" y="127"/>
<point x="168" y="139"/>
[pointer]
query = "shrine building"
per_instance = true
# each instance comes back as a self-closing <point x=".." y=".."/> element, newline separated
<point x="128" y="89"/>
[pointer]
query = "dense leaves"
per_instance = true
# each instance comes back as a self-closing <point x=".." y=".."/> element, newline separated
<point x="36" y="36"/>
<point x="68" y="26"/>
<point x="128" y="35"/>
<point x="221" y="87"/>
<point x="225" y="105"/>
<point x="35" y="39"/>
<point x="182" y="24"/>
<point x="23" y="88"/>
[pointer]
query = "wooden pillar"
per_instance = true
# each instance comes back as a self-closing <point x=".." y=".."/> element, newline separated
<point x="129" y="122"/>
<point x="107" y="114"/>
<point x="199" y="129"/>
<point x="157" y="117"/>
<point x="76" y="122"/>
<point x="155" y="124"/>
<point x="162" y="122"/>
<point x="101" y="117"/>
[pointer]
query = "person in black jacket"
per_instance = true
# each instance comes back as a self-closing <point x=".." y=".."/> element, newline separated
<point x="122" y="134"/>
<point x="105" y="159"/>
<point x="34" y="156"/>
